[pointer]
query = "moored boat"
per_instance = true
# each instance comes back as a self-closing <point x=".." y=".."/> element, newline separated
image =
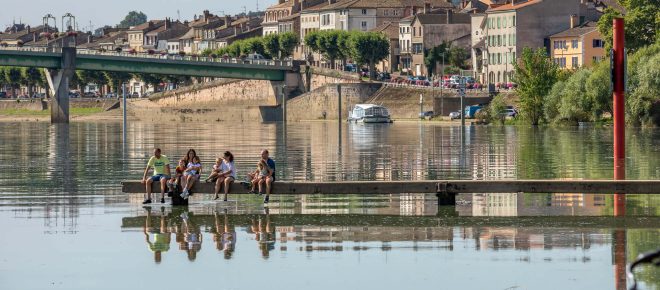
<point x="370" y="113"/>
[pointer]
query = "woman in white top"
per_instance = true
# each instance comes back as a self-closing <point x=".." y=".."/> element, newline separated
<point x="226" y="176"/>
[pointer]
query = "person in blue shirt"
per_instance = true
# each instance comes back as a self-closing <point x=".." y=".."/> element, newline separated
<point x="269" y="179"/>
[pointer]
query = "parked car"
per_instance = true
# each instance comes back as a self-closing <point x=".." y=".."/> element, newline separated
<point x="383" y="76"/>
<point x="350" y="68"/>
<point x="254" y="56"/>
<point x="427" y="114"/>
<point x="135" y="95"/>
<point x="454" y="115"/>
<point x="3" y="95"/>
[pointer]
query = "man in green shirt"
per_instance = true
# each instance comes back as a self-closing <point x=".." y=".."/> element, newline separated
<point x="161" y="166"/>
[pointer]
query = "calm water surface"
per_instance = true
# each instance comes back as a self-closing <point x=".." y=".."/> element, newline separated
<point x="68" y="226"/>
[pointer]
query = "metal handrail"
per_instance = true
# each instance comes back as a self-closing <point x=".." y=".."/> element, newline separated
<point x="264" y="62"/>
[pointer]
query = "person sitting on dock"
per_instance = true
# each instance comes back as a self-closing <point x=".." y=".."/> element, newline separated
<point x="190" y="175"/>
<point x="260" y="175"/>
<point x="175" y="181"/>
<point x="161" y="165"/>
<point x="226" y="176"/>
<point x="271" y="178"/>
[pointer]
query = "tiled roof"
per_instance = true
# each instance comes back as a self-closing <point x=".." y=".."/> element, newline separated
<point x="518" y="4"/>
<point x="290" y="17"/>
<point x="391" y="29"/>
<point x="286" y="4"/>
<point x="583" y="29"/>
<point x="145" y="26"/>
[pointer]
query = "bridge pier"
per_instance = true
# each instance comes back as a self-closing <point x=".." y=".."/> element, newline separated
<point x="58" y="80"/>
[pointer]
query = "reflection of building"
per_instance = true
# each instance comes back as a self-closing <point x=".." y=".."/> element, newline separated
<point x="520" y="204"/>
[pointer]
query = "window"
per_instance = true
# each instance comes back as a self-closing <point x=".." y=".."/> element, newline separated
<point x="498" y="22"/>
<point x="364" y="11"/>
<point x="561" y="62"/>
<point x="595" y="58"/>
<point x="574" y="62"/>
<point x="503" y="21"/>
<point x="504" y="39"/>
<point x="514" y="20"/>
<point x="396" y="12"/>
<point x="386" y="12"/>
<point x="598" y="43"/>
<point x="417" y="48"/>
<point x="364" y="25"/>
<point x="574" y="43"/>
<point x="499" y="58"/>
<point x="499" y="40"/>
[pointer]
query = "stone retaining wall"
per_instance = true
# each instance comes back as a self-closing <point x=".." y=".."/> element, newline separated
<point x="322" y="102"/>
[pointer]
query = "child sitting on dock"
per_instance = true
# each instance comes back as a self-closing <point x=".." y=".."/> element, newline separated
<point x="217" y="169"/>
<point x="191" y="174"/>
<point x="263" y="171"/>
<point x="174" y="182"/>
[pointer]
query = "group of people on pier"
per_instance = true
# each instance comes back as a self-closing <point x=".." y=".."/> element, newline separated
<point x="189" y="170"/>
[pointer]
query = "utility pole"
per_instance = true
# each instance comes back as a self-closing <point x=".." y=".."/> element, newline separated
<point x="618" y="60"/>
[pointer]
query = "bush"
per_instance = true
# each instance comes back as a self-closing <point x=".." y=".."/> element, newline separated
<point x="496" y="110"/>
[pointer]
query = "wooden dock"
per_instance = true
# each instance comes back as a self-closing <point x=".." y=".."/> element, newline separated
<point x="436" y="186"/>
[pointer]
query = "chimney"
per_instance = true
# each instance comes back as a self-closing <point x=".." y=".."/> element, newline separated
<point x="207" y="14"/>
<point x="28" y="29"/>
<point x="34" y="36"/>
<point x="227" y="20"/>
<point x="90" y="38"/>
<point x="574" y="21"/>
<point x="427" y="7"/>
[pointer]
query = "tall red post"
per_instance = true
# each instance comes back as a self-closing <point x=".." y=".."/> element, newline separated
<point x="618" y="54"/>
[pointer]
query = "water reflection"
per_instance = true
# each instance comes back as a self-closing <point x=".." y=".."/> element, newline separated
<point x="60" y="187"/>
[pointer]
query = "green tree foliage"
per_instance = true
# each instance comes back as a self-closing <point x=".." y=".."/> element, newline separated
<point x="328" y="44"/>
<point x="132" y="19"/>
<point x="642" y="23"/>
<point x="575" y="106"/>
<point x="311" y="41"/>
<point x="253" y="45"/>
<point x="644" y="87"/>
<point x="369" y="48"/>
<point x="598" y="88"/>
<point x="435" y="55"/>
<point x="150" y="79"/>
<point x="32" y="78"/>
<point x="116" y="79"/>
<point x="552" y="100"/>
<point x="272" y="44"/>
<point x="535" y="75"/>
<point x="458" y="56"/>
<point x="496" y="109"/>
<point x="288" y="43"/>
<point x="14" y="78"/>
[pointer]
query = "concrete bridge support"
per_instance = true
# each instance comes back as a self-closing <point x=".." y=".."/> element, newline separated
<point x="58" y="80"/>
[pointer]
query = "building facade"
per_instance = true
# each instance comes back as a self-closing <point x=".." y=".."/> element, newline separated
<point x="578" y="46"/>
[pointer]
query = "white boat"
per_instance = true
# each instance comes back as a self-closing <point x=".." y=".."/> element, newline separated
<point x="370" y="113"/>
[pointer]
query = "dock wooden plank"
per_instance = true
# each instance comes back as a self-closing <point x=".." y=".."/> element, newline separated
<point x="432" y="186"/>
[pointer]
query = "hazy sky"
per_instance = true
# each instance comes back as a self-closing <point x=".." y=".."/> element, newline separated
<point x="110" y="12"/>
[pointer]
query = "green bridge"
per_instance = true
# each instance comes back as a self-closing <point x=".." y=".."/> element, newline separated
<point x="61" y="63"/>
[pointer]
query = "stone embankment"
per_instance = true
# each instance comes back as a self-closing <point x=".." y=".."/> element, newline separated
<point x="222" y="100"/>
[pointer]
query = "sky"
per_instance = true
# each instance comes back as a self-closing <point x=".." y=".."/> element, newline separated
<point x="111" y="12"/>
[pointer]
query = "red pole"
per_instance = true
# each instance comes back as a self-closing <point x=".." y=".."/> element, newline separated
<point x="619" y="113"/>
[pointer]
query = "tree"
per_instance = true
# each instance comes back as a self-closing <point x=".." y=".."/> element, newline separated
<point x="598" y="88"/>
<point x="435" y="55"/>
<point x="311" y="41"/>
<point x="457" y="57"/>
<point x="644" y="85"/>
<point x="132" y="19"/>
<point x="253" y="45"/>
<point x="116" y="79"/>
<point x="575" y="106"/>
<point x="642" y="22"/>
<point x="535" y="75"/>
<point x="369" y="48"/>
<point x="496" y="109"/>
<point x="288" y="43"/>
<point x="328" y="44"/>
<point x="150" y="79"/>
<point x="272" y="44"/>
<point x="31" y="78"/>
<point x="14" y="79"/>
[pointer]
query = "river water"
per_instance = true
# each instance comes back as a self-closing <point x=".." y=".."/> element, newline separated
<point x="68" y="226"/>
